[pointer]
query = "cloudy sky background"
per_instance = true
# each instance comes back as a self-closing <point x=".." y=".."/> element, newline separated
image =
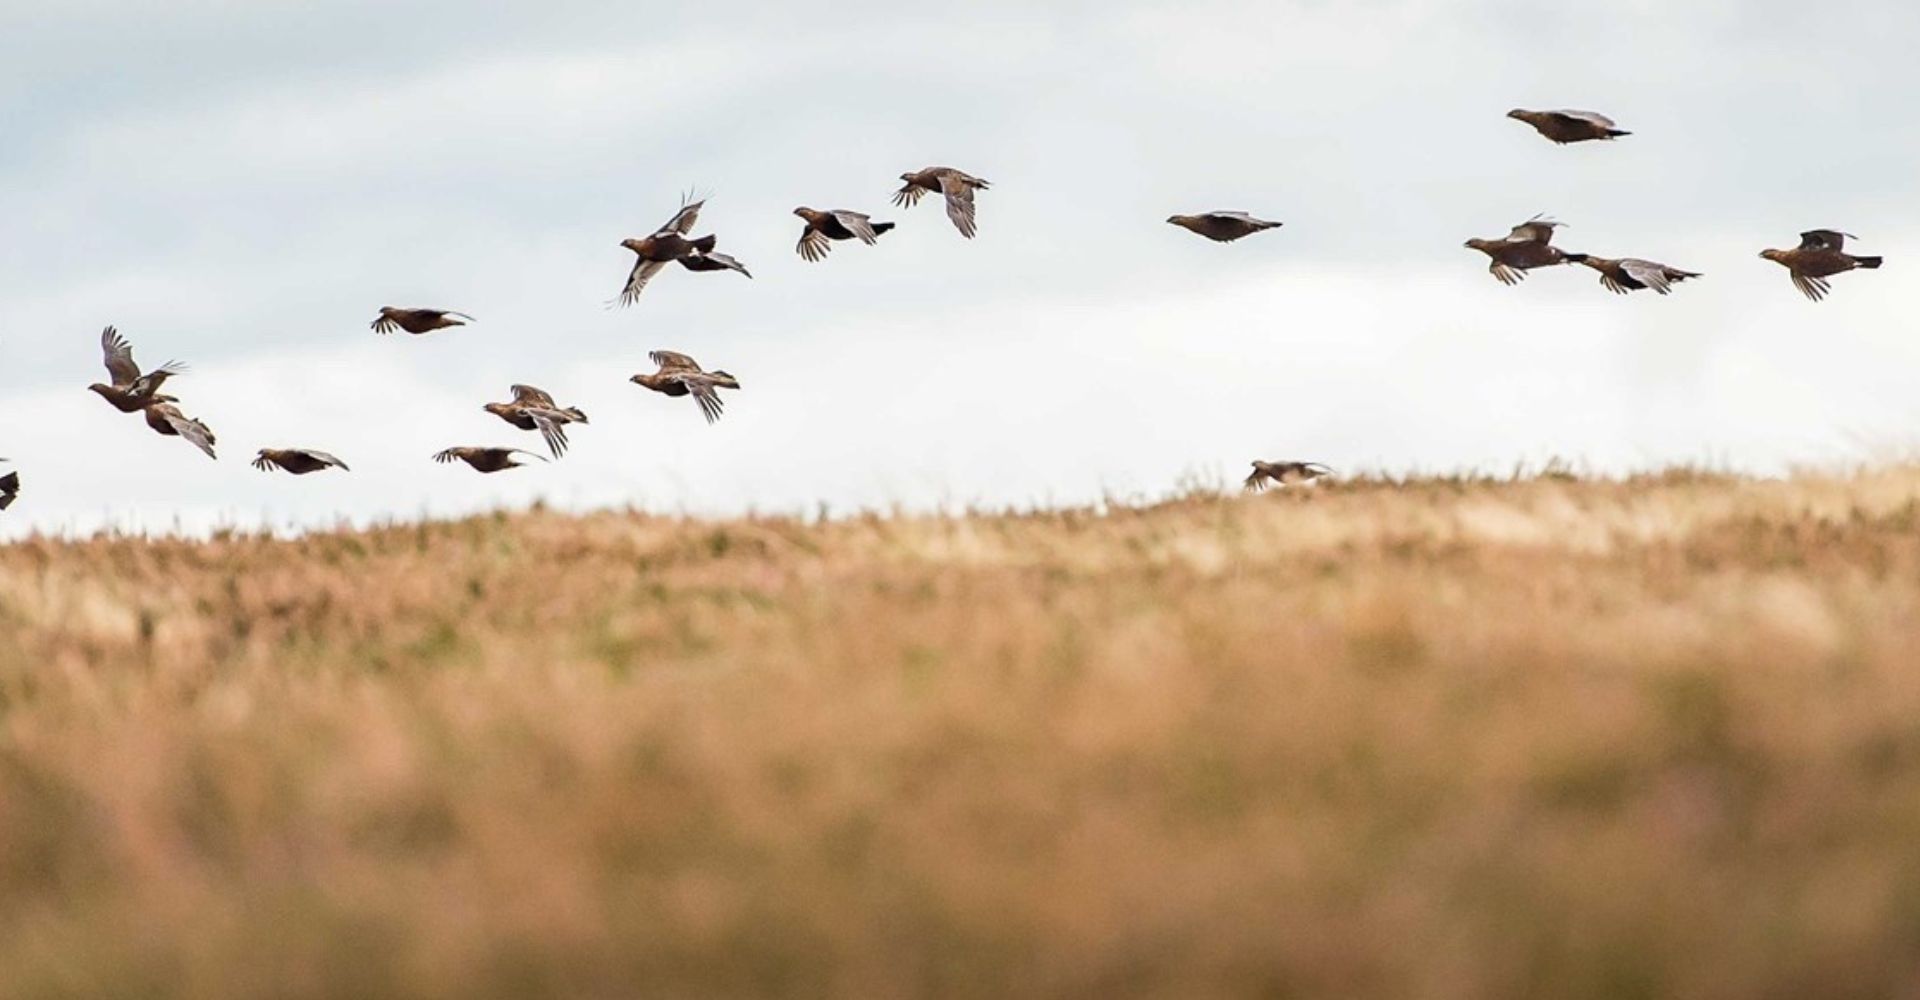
<point x="242" y="184"/>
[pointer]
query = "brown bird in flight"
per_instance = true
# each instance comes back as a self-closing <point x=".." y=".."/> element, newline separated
<point x="1819" y="256"/>
<point x="1629" y="274"/>
<point x="837" y="224"/>
<point x="486" y="459"/>
<point x="534" y="410"/>
<point x="166" y="418"/>
<point x="680" y="375"/>
<point x="417" y="321"/>
<point x="956" y="186"/>
<point x="1222" y="227"/>
<point x="1569" y="126"/>
<point x="298" y="461"/>
<point x="1523" y="249"/>
<point x="1282" y="473"/>
<point x="670" y="243"/>
<point x="131" y="391"/>
<point x="9" y="488"/>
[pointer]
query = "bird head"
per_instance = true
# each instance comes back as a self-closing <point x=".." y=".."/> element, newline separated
<point x="388" y="310"/>
<point x="1517" y="113"/>
<point x="497" y="409"/>
<point x="101" y="389"/>
<point x="638" y="380"/>
<point x="1475" y="244"/>
<point x="1770" y="255"/>
<point x="908" y="177"/>
<point x="804" y="213"/>
<point x="634" y="245"/>
<point x="1176" y="219"/>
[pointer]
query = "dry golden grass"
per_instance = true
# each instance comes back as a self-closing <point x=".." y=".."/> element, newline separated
<point x="1446" y="739"/>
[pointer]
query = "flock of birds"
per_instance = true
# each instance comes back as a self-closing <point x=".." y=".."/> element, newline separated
<point x="1820" y="255"/>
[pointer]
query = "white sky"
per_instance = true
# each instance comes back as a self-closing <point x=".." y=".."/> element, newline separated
<point x="242" y="184"/>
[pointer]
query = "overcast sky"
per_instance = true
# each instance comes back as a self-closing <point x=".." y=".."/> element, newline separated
<point x="242" y="184"/>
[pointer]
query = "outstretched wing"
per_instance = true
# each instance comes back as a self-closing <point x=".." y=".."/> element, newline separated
<point x="1813" y="288"/>
<point x="859" y="224"/>
<point x="959" y="193"/>
<point x="684" y="220"/>
<point x="1648" y="273"/>
<point x="643" y="272"/>
<point x="119" y="357"/>
<point x="672" y="361"/>
<point x="909" y="195"/>
<point x="1538" y="229"/>
<point x="813" y="245"/>
<point x="1825" y="239"/>
<point x="713" y="261"/>
<point x="701" y="386"/>
<point x="548" y="422"/>
<point x="1506" y="275"/>
<point x="324" y="458"/>
<point x="1594" y="118"/>
<point x="532" y="397"/>
<point x="191" y="429"/>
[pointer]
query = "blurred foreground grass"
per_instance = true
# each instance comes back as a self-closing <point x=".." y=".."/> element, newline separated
<point x="1545" y="738"/>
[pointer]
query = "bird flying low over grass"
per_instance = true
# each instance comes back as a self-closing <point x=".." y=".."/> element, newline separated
<point x="486" y="459"/>
<point x="669" y="243"/>
<point x="166" y="418"/>
<point x="1528" y="246"/>
<point x="298" y="461"/>
<point x="1222" y="227"/>
<point x="1820" y="255"/>
<point x="1283" y="473"/>
<point x="837" y="224"/>
<point x="954" y="185"/>
<point x="534" y="410"/>
<point x="9" y="488"/>
<point x="130" y="391"/>
<point x="1565" y="126"/>
<point x="680" y="375"/>
<point x="1630" y="274"/>
<point x="417" y="321"/>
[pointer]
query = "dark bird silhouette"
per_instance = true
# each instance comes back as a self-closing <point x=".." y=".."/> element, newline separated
<point x="1222" y="227"/>
<point x="837" y="224"/>
<point x="417" y="321"/>
<point x="486" y="459"/>
<point x="1282" y="473"/>
<point x="680" y="375"/>
<point x="955" y="185"/>
<point x="668" y="244"/>
<point x="1630" y="274"/>
<point x="1528" y="246"/>
<point x="298" y="461"/>
<point x="166" y="418"/>
<point x="1569" y="126"/>
<point x="534" y="410"/>
<point x="131" y="391"/>
<point x="1820" y="255"/>
<point x="9" y="488"/>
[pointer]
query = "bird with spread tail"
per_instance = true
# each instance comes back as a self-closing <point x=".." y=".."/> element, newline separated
<point x="956" y="186"/>
<point x="680" y="375"/>
<point x="166" y="418"/>
<point x="1222" y="227"/>
<point x="534" y="410"/>
<point x="1283" y="473"/>
<point x="417" y="321"/>
<point x="1630" y="274"/>
<point x="486" y="459"/>
<point x="131" y="391"/>
<point x="1565" y="126"/>
<point x="1528" y="246"/>
<point x="9" y="488"/>
<point x="1820" y="255"/>
<point x="669" y="243"/>
<point x="298" y="461"/>
<point x="837" y="224"/>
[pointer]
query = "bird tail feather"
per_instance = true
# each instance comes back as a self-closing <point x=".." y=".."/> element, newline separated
<point x="1868" y="262"/>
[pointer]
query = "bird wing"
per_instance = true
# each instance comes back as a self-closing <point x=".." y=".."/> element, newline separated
<point x="959" y="194"/>
<point x="813" y="245"/>
<point x="193" y="430"/>
<point x="643" y="272"/>
<point x="1813" y="288"/>
<point x="1506" y="275"/>
<point x="1648" y="273"/>
<point x="448" y="455"/>
<point x="1825" y="239"/>
<point x="385" y="324"/>
<point x="672" y="361"/>
<point x="323" y="457"/>
<point x="713" y="261"/>
<point x="909" y="195"/>
<point x="521" y="451"/>
<point x="532" y="396"/>
<point x="119" y="358"/>
<point x="860" y="225"/>
<point x="684" y="220"/>
<point x="1588" y="117"/>
<point x="701" y="386"/>
<point x="1538" y="229"/>
<point x="1257" y="480"/>
<point x="548" y="422"/>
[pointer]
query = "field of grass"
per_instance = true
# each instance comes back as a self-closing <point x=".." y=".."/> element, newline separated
<point x="1439" y="739"/>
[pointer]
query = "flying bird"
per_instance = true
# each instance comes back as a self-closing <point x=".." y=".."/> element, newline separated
<point x="166" y="418"/>
<point x="9" y="488"/>
<point x="1630" y="274"/>
<point x="1222" y="227"/>
<point x="417" y="321"/>
<point x="1528" y="246"/>
<point x="486" y="459"/>
<point x="838" y="224"/>
<point x="131" y="391"/>
<point x="1282" y="473"/>
<point x="1569" y="126"/>
<point x="298" y="461"/>
<point x="668" y="244"/>
<point x="955" y="185"/>
<point x="534" y="410"/>
<point x="1820" y="256"/>
<point x="680" y="375"/>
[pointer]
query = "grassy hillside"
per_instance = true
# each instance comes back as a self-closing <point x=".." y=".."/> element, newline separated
<point x="1449" y="739"/>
